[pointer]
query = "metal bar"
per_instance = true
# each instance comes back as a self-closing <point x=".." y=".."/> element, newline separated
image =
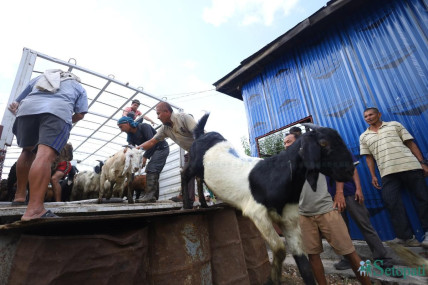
<point x="98" y="75"/>
<point x="84" y="136"/>
<point x="119" y="109"/>
<point x="22" y="78"/>
<point x="101" y="147"/>
<point x="99" y="93"/>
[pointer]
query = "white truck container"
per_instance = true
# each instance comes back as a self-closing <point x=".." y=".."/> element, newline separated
<point x="97" y="136"/>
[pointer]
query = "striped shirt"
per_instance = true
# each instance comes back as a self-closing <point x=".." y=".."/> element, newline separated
<point x="388" y="149"/>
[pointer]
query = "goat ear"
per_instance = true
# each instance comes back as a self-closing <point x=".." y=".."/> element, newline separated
<point x="310" y="152"/>
<point x="312" y="178"/>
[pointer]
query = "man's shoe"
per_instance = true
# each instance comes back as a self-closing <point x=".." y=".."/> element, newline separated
<point x="342" y="265"/>
<point x="412" y="242"/>
<point x="424" y="243"/>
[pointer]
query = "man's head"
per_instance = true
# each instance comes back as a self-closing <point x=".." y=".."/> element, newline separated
<point x="289" y="140"/>
<point x="126" y="124"/>
<point x="164" y="111"/>
<point x="296" y="130"/>
<point x="135" y="104"/>
<point x="372" y="116"/>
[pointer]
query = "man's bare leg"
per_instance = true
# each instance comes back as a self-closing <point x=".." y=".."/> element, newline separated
<point x="39" y="177"/>
<point x="23" y="166"/>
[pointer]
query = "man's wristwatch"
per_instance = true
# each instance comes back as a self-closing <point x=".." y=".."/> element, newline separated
<point x="424" y="161"/>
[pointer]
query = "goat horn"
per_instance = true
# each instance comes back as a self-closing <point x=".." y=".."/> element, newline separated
<point x="312" y="126"/>
<point x="128" y="146"/>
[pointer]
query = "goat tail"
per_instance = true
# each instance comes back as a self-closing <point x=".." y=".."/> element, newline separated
<point x="199" y="129"/>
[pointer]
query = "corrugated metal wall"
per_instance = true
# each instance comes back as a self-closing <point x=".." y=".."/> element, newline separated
<point x="378" y="57"/>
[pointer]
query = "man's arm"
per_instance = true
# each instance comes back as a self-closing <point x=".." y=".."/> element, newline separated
<point x="77" y="117"/>
<point x="339" y="198"/>
<point x="359" y="197"/>
<point x="148" y="144"/>
<point x="371" y="164"/>
<point x="417" y="153"/>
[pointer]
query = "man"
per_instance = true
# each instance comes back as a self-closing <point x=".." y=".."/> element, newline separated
<point x="138" y="134"/>
<point x="289" y="139"/>
<point x="401" y="165"/>
<point x="319" y="218"/>
<point x="350" y="195"/>
<point x="179" y="128"/>
<point x="45" y="111"/>
<point x="135" y="112"/>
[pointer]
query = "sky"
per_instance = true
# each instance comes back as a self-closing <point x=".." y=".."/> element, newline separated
<point x="174" y="49"/>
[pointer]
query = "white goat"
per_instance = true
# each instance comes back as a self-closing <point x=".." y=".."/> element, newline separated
<point x="116" y="170"/>
<point x="86" y="186"/>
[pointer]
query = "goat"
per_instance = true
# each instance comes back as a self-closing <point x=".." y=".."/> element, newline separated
<point x="116" y="170"/>
<point x="138" y="185"/>
<point x="86" y="185"/>
<point x="268" y="190"/>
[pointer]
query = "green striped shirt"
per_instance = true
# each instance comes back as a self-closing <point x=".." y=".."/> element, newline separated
<point x="388" y="149"/>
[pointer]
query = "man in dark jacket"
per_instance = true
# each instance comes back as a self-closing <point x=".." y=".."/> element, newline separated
<point x="138" y="134"/>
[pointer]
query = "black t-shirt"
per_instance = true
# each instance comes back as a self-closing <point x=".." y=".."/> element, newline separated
<point x="144" y="133"/>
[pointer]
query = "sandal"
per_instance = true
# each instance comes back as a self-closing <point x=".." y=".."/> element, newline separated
<point x="49" y="214"/>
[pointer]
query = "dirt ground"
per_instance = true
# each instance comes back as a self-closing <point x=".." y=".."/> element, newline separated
<point x="291" y="276"/>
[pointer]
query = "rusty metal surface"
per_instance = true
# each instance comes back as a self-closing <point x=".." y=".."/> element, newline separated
<point x="227" y="255"/>
<point x="180" y="251"/>
<point x="199" y="246"/>
<point x="85" y="218"/>
<point x="8" y="244"/>
<point x="254" y="246"/>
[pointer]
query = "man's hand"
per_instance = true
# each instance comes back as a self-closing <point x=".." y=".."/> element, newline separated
<point x="425" y="169"/>
<point x="375" y="182"/>
<point x="339" y="201"/>
<point x="13" y="107"/>
<point x="359" y="197"/>
<point x="139" y="147"/>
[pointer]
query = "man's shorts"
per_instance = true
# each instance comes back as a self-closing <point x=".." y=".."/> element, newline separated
<point x="332" y="227"/>
<point x="46" y="129"/>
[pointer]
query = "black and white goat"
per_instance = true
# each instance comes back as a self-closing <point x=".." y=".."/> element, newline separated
<point x="268" y="190"/>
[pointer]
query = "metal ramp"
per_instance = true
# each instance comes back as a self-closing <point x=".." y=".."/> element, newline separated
<point x="97" y="136"/>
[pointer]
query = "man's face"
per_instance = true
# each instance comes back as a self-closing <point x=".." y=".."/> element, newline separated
<point x="124" y="127"/>
<point x="135" y="106"/>
<point x="371" y="117"/>
<point x="163" y="115"/>
<point x="289" y="140"/>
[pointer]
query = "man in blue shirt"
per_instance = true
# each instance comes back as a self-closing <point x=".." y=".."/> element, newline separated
<point x="349" y="196"/>
<point x="44" y="111"/>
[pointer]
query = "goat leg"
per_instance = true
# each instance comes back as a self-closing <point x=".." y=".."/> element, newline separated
<point x="305" y="269"/>
<point x="130" y="189"/>
<point x="199" y="183"/>
<point x="187" y="203"/>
